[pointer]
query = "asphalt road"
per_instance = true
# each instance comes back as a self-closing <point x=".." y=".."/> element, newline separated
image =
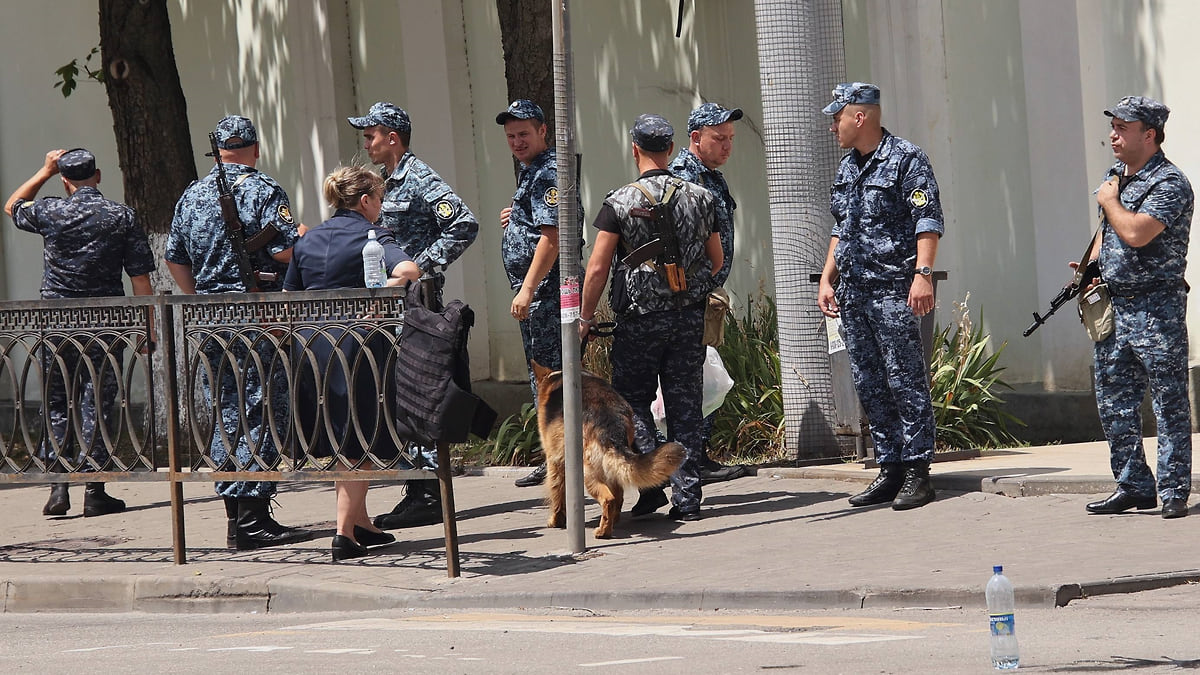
<point x="1148" y="633"/>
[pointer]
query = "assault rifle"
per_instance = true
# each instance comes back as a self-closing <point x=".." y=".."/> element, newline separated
<point x="242" y="248"/>
<point x="1080" y="281"/>
<point x="666" y="246"/>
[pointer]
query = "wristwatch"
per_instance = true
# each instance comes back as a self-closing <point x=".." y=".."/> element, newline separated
<point x="925" y="271"/>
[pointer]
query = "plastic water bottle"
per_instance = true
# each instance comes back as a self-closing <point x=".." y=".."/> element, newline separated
<point x="372" y="254"/>
<point x="1001" y="602"/>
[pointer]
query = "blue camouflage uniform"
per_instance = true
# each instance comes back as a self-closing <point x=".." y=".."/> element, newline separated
<point x="659" y="332"/>
<point x="198" y="239"/>
<point x="879" y="210"/>
<point x="1149" y="345"/>
<point x="88" y="241"/>
<point x="535" y="204"/>
<point x="430" y="221"/>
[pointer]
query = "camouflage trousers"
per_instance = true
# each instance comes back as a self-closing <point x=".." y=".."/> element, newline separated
<point x="245" y="421"/>
<point x="887" y="361"/>
<point x="541" y="335"/>
<point x="1148" y="348"/>
<point x="70" y="379"/>
<point x="665" y="346"/>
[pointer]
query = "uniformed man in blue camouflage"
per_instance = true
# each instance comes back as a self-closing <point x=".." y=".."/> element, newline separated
<point x="658" y="295"/>
<point x="201" y="259"/>
<point x="878" y="278"/>
<point x="1146" y="204"/>
<point x="710" y="136"/>
<point x="434" y="227"/>
<point x="88" y="241"/>
<point x="529" y="246"/>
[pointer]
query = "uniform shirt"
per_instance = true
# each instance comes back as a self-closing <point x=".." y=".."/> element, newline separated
<point x="1161" y="191"/>
<point x="689" y="167"/>
<point x="198" y="237"/>
<point x="642" y="289"/>
<point x="430" y="221"/>
<point x="88" y="241"/>
<point x="330" y="255"/>
<point x="534" y="205"/>
<point x="880" y="209"/>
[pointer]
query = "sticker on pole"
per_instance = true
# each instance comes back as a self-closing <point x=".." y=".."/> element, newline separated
<point x="568" y="300"/>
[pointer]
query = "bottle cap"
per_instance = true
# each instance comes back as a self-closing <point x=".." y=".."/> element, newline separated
<point x="371" y="233"/>
<point x="997" y="569"/>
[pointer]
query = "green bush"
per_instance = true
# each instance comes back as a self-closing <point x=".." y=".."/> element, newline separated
<point x="963" y="385"/>
<point x="748" y="427"/>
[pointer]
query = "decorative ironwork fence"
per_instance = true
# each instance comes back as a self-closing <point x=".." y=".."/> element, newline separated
<point x="230" y="387"/>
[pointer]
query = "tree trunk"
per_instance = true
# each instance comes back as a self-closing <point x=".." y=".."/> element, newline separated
<point x="148" y="107"/>
<point x="528" y="54"/>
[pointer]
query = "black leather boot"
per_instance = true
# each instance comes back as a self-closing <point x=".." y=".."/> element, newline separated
<point x="884" y="488"/>
<point x="257" y="529"/>
<point x="97" y="502"/>
<point x="59" y="502"/>
<point x="231" y="515"/>
<point x="422" y="505"/>
<point x="917" y="490"/>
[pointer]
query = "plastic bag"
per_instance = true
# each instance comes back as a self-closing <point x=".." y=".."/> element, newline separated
<point x="717" y="383"/>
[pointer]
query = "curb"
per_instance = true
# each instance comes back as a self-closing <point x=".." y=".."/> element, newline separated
<point x="182" y="595"/>
<point x="1010" y="485"/>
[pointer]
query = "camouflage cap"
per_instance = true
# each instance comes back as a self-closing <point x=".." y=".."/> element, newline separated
<point x="521" y="109"/>
<point x="383" y="114"/>
<point x="712" y="114"/>
<point x="1140" y="109"/>
<point x="652" y="133"/>
<point x="77" y="164"/>
<point x="235" y="131"/>
<point x="846" y="93"/>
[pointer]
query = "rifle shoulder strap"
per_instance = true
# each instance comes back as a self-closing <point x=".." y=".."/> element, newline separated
<point x="1093" y="246"/>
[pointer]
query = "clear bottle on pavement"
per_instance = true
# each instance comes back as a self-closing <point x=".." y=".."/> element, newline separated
<point x="372" y="253"/>
<point x="1001" y="602"/>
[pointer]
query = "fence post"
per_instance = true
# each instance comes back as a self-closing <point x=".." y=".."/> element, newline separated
<point x="166" y="341"/>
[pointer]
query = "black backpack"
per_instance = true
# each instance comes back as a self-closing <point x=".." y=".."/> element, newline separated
<point x="434" y="402"/>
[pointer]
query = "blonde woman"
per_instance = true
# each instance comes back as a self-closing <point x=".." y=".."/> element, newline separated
<point x="326" y="257"/>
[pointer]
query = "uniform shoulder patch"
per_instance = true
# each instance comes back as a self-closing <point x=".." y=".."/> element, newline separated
<point x="444" y="209"/>
<point x="285" y="214"/>
<point x="551" y="196"/>
<point x="918" y="198"/>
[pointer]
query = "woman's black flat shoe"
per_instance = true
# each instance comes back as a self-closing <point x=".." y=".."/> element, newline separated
<point x="366" y="537"/>
<point x="345" y="547"/>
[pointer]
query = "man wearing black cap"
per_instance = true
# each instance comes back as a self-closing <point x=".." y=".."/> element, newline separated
<point x="710" y="135"/>
<point x="878" y="280"/>
<point x="201" y="258"/>
<point x="434" y="227"/>
<point x="88" y="240"/>
<point x="1146" y="205"/>
<point x="529" y="247"/>
<point x="660" y="282"/>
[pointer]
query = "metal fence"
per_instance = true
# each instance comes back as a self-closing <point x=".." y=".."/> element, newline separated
<point x="230" y="387"/>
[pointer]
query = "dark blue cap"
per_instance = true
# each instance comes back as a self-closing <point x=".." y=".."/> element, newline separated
<point x="77" y="164"/>
<point x="383" y="114"/>
<point x="712" y="114"/>
<point x="521" y="109"/>
<point x="234" y="132"/>
<point x="652" y="133"/>
<point x="846" y="93"/>
<point x="1140" y="109"/>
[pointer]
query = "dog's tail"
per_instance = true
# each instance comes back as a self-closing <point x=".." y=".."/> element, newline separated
<point x="645" y="471"/>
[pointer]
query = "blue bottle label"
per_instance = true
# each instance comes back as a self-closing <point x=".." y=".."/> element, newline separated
<point x="1002" y="624"/>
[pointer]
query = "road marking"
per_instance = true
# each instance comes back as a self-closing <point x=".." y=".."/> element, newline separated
<point x="256" y="648"/>
<point x="628" y="661"/>
<point x="573" y="626"/>
<point x="97" y="649"/>
<point x="344" y="650"/>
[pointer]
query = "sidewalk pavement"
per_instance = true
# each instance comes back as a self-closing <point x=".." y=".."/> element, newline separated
<point x="782" y="539"/>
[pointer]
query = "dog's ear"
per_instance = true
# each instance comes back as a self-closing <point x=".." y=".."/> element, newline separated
<point x="539" y="371"/>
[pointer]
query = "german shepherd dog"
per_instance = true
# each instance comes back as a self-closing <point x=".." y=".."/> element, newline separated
<point x="610" y="462"/>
